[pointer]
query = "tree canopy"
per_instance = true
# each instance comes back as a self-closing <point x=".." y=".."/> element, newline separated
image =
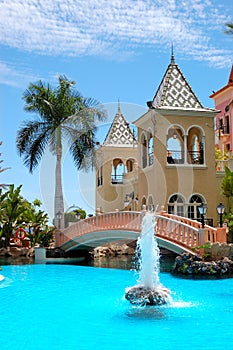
<point x="62" y="114"/>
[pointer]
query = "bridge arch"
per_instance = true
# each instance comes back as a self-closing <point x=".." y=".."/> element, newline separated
<point x="173" y="232"/>
<point x="95" y="239"/>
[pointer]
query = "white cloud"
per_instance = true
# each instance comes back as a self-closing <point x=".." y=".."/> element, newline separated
<point x="116" y="27"/>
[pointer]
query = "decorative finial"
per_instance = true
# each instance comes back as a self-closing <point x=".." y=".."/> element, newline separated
<point x="172" y="55"/>
<point x="119" y="108"/>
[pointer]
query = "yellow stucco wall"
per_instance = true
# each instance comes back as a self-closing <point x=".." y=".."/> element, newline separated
<point x="161" y="180"/>
<point x="110" y="197"/>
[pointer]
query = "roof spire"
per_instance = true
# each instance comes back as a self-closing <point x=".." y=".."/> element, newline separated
<point x="172" y="55"/>
<point x="119" y="107"/>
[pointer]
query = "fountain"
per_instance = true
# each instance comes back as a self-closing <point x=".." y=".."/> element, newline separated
<point x="149" y="291"/>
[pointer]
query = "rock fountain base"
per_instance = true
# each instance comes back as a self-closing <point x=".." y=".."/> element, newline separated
<point x="141" y="295"/>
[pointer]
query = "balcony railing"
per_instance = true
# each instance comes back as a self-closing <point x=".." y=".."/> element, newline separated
<point x="117" y="179"/>
<point x="221" y="164"/>
<point x="177" y="157"/>
<point x="151" y="158"/>
<point x="196" y="157"/>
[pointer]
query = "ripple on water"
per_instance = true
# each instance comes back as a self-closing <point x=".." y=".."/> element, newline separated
<point x="5" y="282"/>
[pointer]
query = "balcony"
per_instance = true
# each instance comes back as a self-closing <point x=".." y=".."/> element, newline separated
<point x="117" y="179"/>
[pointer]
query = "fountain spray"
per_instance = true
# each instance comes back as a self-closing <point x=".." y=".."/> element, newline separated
<point x="149" y="290"/>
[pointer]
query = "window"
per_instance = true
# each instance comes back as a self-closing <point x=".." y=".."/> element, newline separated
<point x="176" y="205"/>
<point x="151" y="206"/>
<point x="144" y="151"/>
<point x="195" y="146"/>
<point x="143" y="202"/>
<point x="150" y="149"/>
<point x="100" y="177"/>
<point x="226" y="125"/>
<point x="117" y="176"/>
<point x="175" y="149"/>
<point x="129" y="165"/>
<point x="194" y="202"/>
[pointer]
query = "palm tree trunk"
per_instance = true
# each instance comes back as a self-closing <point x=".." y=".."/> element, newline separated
<point x="58" y="200"/>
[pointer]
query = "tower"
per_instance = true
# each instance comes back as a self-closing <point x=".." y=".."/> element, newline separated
<point x="116" y="176"/>
<point x="176" y="149"/>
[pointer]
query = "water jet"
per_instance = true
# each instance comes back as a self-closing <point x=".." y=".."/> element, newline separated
<point x="149" y="290"/>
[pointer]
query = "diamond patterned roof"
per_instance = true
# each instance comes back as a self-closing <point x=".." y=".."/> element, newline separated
<point x="174" y="90"/>
<point x="119" y="133"/>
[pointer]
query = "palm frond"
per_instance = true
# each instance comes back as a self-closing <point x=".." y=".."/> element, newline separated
<point x="64" y="114"/>
<point x="31" y="142"/>
<point x="229" y="29"/>
<point x="83" y="151"/>
<point x="39" y="98"/>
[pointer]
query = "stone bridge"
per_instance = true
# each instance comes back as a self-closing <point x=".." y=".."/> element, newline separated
<point x="175" y="233"/>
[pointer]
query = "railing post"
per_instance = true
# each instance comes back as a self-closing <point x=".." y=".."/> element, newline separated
<point x="221" y="235"/>
<point x="98" y="212"/>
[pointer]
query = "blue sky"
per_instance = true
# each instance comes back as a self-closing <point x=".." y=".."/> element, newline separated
<point x="112" y="49"/>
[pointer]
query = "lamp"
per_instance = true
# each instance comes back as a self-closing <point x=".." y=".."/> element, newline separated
<point x="202" y="210"/>
<point x="220" y="210"/>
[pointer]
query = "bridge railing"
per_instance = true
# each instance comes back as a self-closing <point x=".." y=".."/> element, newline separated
<point x="207" y="234"/>
<point x="131" y="221"/>
<point x="177" y="231"/>
<point x="180" y="230"/>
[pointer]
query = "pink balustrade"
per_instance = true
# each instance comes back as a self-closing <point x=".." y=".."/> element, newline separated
<point x="179" y="230"/>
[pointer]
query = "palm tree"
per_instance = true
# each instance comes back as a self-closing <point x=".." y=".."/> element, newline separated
<point x="229" y="29"/>
<point x="63" y="114"/>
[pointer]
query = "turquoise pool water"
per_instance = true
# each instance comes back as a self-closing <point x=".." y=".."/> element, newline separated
<point x="66" y="307"/>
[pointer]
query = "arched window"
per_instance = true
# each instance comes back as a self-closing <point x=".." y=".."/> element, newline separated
<point x="144" y="150"/>
<point x="117" y="171"/>
<point x="100" y="177"/>
<point x="175" y="145"/>
<point x="143" y="202"/>
<point x="150" y="149"/>
<point x="129" y="165"/>
<point x="176" y="205"/>
<point x="151" y="206"/>
<point x="195" y="145"/>
<point x="194" y="202"/>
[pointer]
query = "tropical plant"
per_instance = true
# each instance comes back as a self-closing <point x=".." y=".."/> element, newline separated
<point x="39" y="234"/>
<point x="227" y="186"/>
<point x="229" y="29"/>
<point x="63" y="114"/>
<point x="219" y="155"/>
<point x="74" y="216"/>
<point x="11" y="209"/>
<point x="16" y="212"/>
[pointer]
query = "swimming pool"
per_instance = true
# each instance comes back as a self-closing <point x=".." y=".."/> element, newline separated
<point x="67" y="307"/>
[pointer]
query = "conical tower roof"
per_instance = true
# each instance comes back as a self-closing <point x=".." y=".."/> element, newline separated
<point x="119" y="133"/>
<point x="174" y="91"/>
